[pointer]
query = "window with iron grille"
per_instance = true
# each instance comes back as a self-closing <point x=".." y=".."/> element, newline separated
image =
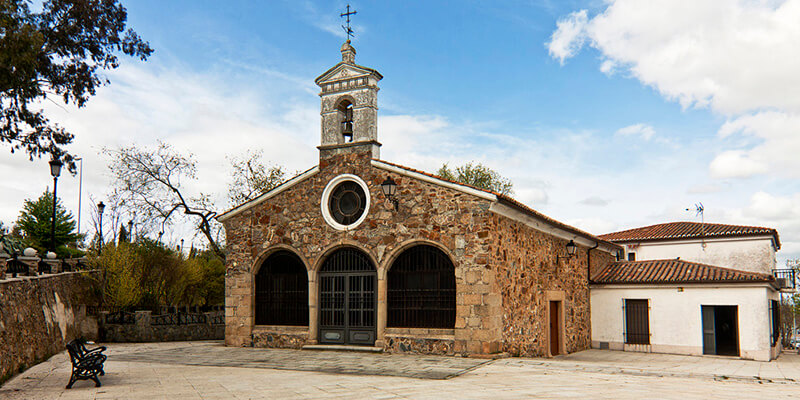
<point x="631" y="256"/>
<point x="637" y="322"/>
<point x="282" y="291"/>
<point x="422" y="289"/>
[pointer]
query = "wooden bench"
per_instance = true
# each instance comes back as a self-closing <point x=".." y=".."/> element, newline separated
<point x="86" y="363"/>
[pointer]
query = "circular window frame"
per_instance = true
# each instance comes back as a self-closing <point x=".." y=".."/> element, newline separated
<point x="326" y="197"/>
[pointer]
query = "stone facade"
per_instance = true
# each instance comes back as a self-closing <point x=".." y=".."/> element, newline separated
<point x="429" y="214"/>
<point x="142" y="330"/>
<point x="531" y="271"/>
<point x="40" y="315"/>
<point x="503" y="269"/>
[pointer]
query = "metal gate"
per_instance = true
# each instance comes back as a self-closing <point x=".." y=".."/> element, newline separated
<point x="347" y="299"/>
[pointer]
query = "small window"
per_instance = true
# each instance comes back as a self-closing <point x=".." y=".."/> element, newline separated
<point x="631" y="256"/>
<point x="347" y="202"/>
<point x="637" y="322"/>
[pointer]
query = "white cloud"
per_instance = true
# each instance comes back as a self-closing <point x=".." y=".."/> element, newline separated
<point x="644" y="131"/>
<point x="568" y="38"/>
<point x="594" y="201"/>
<point x="776" y="137"/>
<point x="738" y="58"/>
<point x="735" y="164"/>
<point x="731" y="55"/>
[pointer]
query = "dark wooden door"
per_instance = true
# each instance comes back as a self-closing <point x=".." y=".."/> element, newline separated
<point x="555" y="328"/>
<point x="347" y="299"/>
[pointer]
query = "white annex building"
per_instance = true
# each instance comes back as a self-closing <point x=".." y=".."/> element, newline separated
<point x="690" y="288"/>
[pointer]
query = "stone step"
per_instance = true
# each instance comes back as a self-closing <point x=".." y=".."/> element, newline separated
<point x="343" y="347"/>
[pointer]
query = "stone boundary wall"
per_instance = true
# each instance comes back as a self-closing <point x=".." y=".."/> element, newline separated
<point x="142" y="330"/>
<point x="39" y="315"/>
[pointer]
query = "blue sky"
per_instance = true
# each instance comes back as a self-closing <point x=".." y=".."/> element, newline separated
<point x="605" y="115"/>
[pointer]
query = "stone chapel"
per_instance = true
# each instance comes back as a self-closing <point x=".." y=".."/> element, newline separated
<point x="358" y="251"/>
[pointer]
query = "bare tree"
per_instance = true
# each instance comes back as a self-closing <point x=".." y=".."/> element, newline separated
<point x="251" y="177"/>
<point x="149" y="183"/>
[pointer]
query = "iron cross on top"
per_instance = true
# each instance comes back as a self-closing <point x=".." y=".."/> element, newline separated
<point x="347" y="30"/>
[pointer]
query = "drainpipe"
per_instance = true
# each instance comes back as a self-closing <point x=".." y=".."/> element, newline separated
<point x="589" y="262"/>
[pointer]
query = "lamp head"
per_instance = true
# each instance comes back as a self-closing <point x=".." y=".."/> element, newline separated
<point x="389" y="187"/>
<point x="55" y="167"/>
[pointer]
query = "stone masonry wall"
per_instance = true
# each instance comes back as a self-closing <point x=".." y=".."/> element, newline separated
<point x="529" y="276"/>
<point x="40" y="315"/>
<point x="456" y="222"/>
<point x="142" y="330"/>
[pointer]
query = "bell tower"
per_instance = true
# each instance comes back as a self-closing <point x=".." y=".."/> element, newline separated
<point x="349" y="94"/>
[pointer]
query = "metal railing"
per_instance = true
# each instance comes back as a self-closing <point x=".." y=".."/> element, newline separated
<point x="786" y="277"/>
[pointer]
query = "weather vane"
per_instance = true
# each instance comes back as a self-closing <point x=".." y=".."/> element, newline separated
<point x="347" y="30"/>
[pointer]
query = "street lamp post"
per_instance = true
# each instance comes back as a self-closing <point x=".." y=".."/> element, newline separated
<point x="100" y="208"/>
<point x="55" y="170"/>
<point x="80" y="192"/>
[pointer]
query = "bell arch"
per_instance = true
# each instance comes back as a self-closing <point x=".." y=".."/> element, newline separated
<point x="344" y="112"/>
<point x="421" y="289"/>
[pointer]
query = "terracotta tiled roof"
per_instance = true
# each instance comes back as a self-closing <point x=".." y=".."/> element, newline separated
<point x="674" y="271"/>
<point x="509" y="201"/>
<point x="689" y="230"/>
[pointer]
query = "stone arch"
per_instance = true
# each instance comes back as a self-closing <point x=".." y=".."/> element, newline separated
<point x="389" y="259"/>
<point x="259" y="261"/>
<point x="421" y="287"/>
<point x="280" y="288"/>
<point x="323" y="255"/>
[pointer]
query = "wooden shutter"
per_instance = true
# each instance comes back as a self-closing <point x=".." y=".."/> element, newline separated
<point x="709" y="330"/>
<point x="637" y="322"/>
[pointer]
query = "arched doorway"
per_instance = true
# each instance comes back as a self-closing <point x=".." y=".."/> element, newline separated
<point x="282" y="291"/>
<point x="347" y="298"/>
<point x="422" y="289"/>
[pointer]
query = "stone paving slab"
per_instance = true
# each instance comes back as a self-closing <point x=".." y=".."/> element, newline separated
<point x="215" y="354"/>
<point x="495" y="381"/>
<point x="501" y="379"/>
<point x="785" y="369"/>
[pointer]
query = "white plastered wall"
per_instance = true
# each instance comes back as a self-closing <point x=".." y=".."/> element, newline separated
<point x="675" y="317"/>
<point x="755" y="254"/>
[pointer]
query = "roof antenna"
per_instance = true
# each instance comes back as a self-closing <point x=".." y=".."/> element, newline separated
<point x="699" y="209"/>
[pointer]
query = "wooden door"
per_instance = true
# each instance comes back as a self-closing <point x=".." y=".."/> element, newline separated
<point x="555" y="328"/>
<point x="709" y="332"/>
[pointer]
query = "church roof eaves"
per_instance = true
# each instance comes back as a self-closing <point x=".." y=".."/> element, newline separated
<point x="495" y="197"/>
<point x="272" y="193"/>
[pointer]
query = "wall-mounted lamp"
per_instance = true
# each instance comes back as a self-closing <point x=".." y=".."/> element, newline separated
<point x="389" y="188"/>
<point x="571" y="249"/>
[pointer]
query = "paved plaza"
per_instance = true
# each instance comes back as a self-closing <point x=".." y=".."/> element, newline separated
<point x="208" y="370"/>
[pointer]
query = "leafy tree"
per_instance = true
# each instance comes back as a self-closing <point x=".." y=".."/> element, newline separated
<point x="209" y="289"/>
<point x="147" y="274"/>
<point x="477" y="175"/>
<point x="149" y="182"/>
<point x="36" y="218"/>
<point x="251" y="177"/>
<point x="58" y="51"/>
